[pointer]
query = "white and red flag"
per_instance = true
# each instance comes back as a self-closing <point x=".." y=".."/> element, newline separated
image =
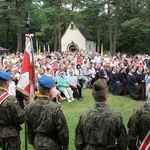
<point x="26" y="83"/>
<point x="145" y="144"/>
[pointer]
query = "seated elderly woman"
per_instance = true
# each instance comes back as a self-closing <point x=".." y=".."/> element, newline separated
<point x="63" y="86"/>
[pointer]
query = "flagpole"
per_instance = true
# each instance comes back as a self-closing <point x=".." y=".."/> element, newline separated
<point x="25" y="97"/>
<point x="26" y="83"/>
<point x="37" y="46"/>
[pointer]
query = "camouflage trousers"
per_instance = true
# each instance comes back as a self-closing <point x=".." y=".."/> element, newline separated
<point x="12" y="143"/>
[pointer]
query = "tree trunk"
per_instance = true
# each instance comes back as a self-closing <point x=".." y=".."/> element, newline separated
<point x="110" y="28"/>
<point x="7" y="39"/>
<point x="98" y="40"/>
<point x="59" y="39"/>
<point x="19" y="40"/>
<point x="19" y="33"/>
<point x="116" y="27"/>
<point x="59" y="25"/>
<point x="55" y="42"/>
<point x="98" y="33"/>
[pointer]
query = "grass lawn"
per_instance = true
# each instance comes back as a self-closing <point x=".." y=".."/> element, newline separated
<point x="72" y="111"/>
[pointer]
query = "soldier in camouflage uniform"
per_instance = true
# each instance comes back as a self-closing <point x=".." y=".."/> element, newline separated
<point x="139" y="127"/>
<point x="100" y="127"/>
<point x="11" y="116"/>
<point x="46" y="124"/>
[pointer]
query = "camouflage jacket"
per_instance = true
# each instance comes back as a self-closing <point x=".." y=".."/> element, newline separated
<point x="139" y="124"/>
<point x="11" y="116"/>
<point x="99" y="128"/>
<point x="46" y="124"/>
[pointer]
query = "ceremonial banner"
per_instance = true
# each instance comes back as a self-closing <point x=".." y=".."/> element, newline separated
<point x="26" y="83"/>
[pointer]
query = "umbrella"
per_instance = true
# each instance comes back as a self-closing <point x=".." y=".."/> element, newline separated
<point x="3" y="49"/>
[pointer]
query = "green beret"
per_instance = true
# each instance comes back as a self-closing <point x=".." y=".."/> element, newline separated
<point x="99" y="85"/>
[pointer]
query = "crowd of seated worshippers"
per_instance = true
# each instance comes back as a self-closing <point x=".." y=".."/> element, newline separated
<point x="123" y="80"/>
<point x="123" y="76"/>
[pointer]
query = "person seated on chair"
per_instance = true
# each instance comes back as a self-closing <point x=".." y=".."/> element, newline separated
<point x="82" y="79"/>
<point x="132" y="85"/>
<point x="64" y="87"/>
<point x="55" y="95"/>
<point x="87" y="74"/>
<point x="74" y="85"/>
<point x="115" y="85"/>
<point x="104" y="74"/>
<point x="91" y="73"/>
<point x="139" y="75"/>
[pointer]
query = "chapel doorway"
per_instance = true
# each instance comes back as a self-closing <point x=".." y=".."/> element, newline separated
<point x="73" y="48"/>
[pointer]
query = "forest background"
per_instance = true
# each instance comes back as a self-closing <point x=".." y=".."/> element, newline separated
<point x="121" y="25"/>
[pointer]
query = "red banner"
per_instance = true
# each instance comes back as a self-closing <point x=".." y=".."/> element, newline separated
<point x="26" y="83"/>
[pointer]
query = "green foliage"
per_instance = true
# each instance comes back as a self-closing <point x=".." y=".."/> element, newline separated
<point x="134" y="27"/>
<point x="131" y="23"/>
<point x="48" y="16"/>
<point x="72" y="111"/>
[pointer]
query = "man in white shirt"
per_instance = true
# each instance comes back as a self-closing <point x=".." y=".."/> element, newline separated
<point x="74" y="85"/>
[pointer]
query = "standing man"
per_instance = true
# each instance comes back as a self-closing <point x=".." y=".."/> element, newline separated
<point x="11" y="116"/>
<point x="139" y="128"/>
<point x="46" y="124"/>
<point x="100" y="127"/>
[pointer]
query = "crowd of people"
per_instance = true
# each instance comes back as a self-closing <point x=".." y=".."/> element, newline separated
<point x="74" y="71"/>
<point x="99" y="128"/>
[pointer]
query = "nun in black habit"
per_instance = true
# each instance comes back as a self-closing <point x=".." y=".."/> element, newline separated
<point x="116" y="86"/>
<point x="133" y="86"/>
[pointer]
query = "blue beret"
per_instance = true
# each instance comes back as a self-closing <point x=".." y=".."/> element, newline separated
<point x="46" y="81"/>
<point x="5" y="75"/>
